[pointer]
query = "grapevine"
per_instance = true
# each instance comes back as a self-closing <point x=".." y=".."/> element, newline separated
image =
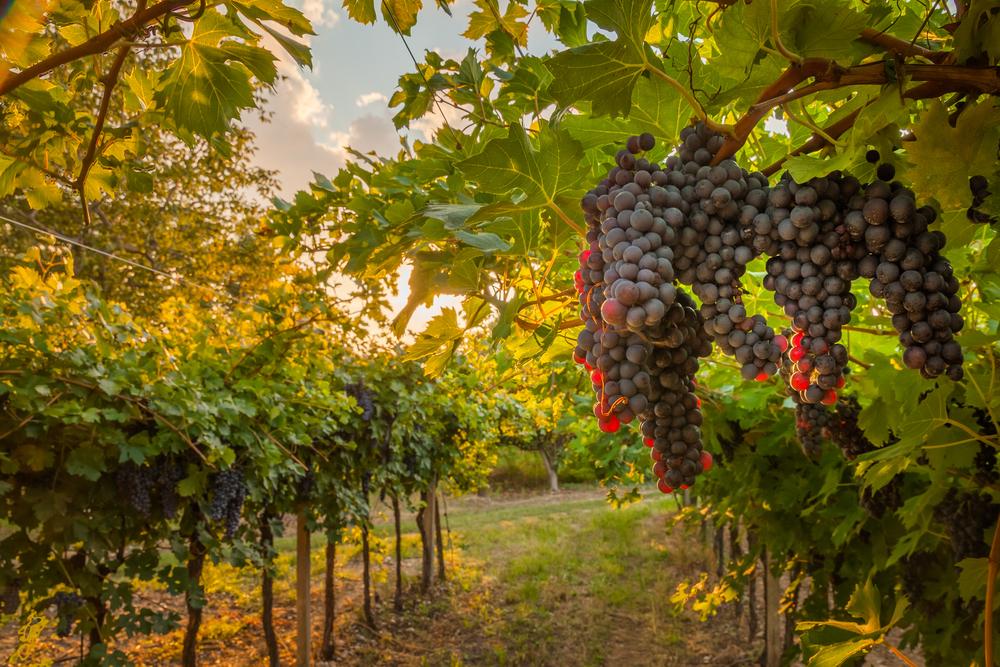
<point x="652" y="228"/>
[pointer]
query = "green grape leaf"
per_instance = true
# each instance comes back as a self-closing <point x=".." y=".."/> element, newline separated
<point x="299" y="52"/>
<point x="944" y="157"/>
<point x="742" y="30"/>
<point x="485" y="241"/>
<point x="835" y="655"/>
<point x="657" y="108"/>
<point x="401" y="14"/>
<point x="979" y="31"/>
<point x="210" y="83"/>
<point x="288" y="17"/>
<point x="605" y="73"/>
<point x="488" y="19"/>
<point x="86" y="461"/>
<point x="436" y="343"/>
<point x="972" y="580"/>
<point x="820" y="29"/>
<point x="362" y="11"/>
<point x="549" y="176"/>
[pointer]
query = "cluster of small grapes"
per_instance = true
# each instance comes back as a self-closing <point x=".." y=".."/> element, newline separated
<point x="906" y="269"/>
<point x="708" y="207"/>
<point x="228" y="493"/>
<point x="966" y="517"/>
<point x="812" y="426"/>
<point x="642" y="335"/>
<point x="10" y="597"/>
<point x="846" y="433"/>
<point x="168" y="473"/>
<point x="885" y="499"/>
<point x="67" y="605"/>
<point x="306" y="484"/>
<point x="913" y="574"/>
<point x="135" y="483"/>
<point x="985" y="461"/>
<point x="671" y="426"/>
<point x="980" y="191"/>
<point x="810" y="271"/>
<point x="139" y="484"/>
<point x="363" y="396"/>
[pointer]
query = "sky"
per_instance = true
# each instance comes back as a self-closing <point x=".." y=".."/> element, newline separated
<point x="343" y="100"/>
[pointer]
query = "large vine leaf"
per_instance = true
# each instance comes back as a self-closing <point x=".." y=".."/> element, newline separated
<point x="210" y="84"/>
<point x="943" y="156"/>
<point x="658" y="108"/>
<point x="549" y="176"/>
<point x="488" y="19"/>
<point x="604" y="73"/>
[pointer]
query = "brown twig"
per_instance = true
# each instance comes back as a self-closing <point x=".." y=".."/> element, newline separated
<point x="876" y="332"/>
<point x="991" y="580"/>
<point x="859" y="362"/>
<point x="815" y="142"/>
<point x="110" y="80"/>
<point x="901" y="47"/>
<point x="776" y="37"/>
<point x="827" y="75"/>
<point x="899" y="654"/>
<point x="96" y="44"/>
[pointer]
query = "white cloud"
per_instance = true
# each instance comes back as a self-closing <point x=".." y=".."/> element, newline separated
<point x="319" y="14"/>
<point x="366" y="133"/>
<point x="436" y="118"/>
<point x="287" y="143"/>
<point x="371" y="98"/>
<point x="305" y="102"/>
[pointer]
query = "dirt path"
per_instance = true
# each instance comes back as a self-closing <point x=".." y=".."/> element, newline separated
<point x="533" y="580"/>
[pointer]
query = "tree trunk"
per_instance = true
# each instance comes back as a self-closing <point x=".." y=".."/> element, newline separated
<point x="398" y="600"/>
<point x="550" y="469"/>
<point x="267" y="589"/>
<point x="367" y="575"/>
<point x="427" y="533"/>
<point x="440" y="541"/>
<point x="194" y="602"/>
<point x="329" y="599"/>
<point x="302" y="592"/>
<point x="100" y="612"/>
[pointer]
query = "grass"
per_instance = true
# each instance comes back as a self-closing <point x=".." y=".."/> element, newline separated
<point x="532" y="580"/>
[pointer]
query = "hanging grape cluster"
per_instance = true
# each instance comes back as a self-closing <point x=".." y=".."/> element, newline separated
<point x="967" y="516"/>
<point x="66" y="607"/>
<point x="363" y="396"/>
<point x="10" y="597"/>
<point x="653" y="228"/>
<point x="229" y="490"/>
<point x="980" y="189"/>
<point x="140" y="484"/>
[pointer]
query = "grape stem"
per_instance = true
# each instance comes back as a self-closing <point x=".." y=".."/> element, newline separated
<point x="109" y="81"/>
<point x="776" y="37"/>
<point x="816" y="142"/>
<point x="690" y="99"/>
<point x="991" y="580"/>
<point x="827" y="75"/>
<point x="863" y="365"/>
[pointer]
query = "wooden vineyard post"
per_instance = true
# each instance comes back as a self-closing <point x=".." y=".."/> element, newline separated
<point x="302" y="575"/>
<point x="429" y="534"/>
<point x="773" y="640"/>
